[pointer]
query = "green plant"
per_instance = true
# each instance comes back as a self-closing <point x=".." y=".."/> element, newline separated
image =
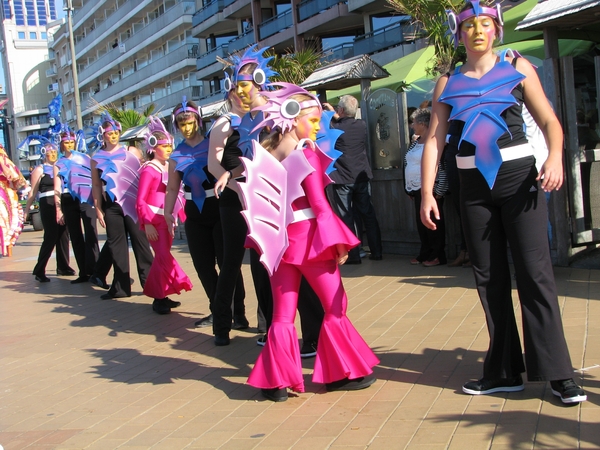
<point x="295" y="66"/>
<point x="128" y="118"/>
<point x="431" y="14"/>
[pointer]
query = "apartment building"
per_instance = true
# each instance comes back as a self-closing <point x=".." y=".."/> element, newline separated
<point x="29" y="87"/>
<point x="129" y="53"/>
<point x="340" y="28"/>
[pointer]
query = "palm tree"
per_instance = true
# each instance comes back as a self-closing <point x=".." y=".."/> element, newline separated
<point x="128" y="118"/>
<point x="295" y="66"/>
<point x="431" y="14"/>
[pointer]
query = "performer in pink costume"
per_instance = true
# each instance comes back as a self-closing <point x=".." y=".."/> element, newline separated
<point x="11" y="212"/>
<point x="166" y="276"/>
<point x="315" y="241"/>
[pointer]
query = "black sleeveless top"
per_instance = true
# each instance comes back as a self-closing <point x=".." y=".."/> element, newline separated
<point x="231" y="152"/>
<point x="512" y="117"/>
<point x="46" y="183"/>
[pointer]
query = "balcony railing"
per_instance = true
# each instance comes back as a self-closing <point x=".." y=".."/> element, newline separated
<point x="309" y="8"/>
<point x="154" y="67"/>
<point x="275" y="24"/>
<point x="241" y="42"/>
<point x="210" y="57"/>
<point x="386" y="37"/>
<point x="213" y="8"/>
<point x="338" y="53"/>
<point x="168" y="101"/>
<point x="96" y="34"/>
<point x="151" y="30"/>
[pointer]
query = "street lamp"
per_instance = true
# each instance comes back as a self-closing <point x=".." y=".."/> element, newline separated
<point x="69" y="10"/>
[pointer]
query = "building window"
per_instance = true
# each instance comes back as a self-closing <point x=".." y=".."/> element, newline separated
<point x="32" y="35"/>
<point x="44" y="35"/>
<point x="19" y="14"/>
<point x="21" y="34"/>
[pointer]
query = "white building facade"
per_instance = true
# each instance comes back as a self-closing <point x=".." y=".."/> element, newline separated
<point x="129" y="54"/>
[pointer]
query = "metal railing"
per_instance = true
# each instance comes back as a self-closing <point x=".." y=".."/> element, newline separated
<point x="338" y="53"/>
<point x="152" y="29"/>
<point x="210" y="57"/>
<point x="309" y="8"/>
<point x="207" y="12"/>
<point x="240" y="42"/>
<point x="275" y="24"/>
<point x="386" y="37"/>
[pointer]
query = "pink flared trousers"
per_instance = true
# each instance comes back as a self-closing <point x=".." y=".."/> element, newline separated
<point x="341" y="351"/>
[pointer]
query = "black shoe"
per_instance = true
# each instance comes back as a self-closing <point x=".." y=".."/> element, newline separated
<point x="353" y="261"/>
<point x="240" y="323"/>
<point x="221" y="341"/>
<point x="485" y="386"/>
<point x="81" y="279"/>
<point x="96" y="280"/>
<point x="262" y="340"/>
<point x="204" y="322"/>
<point x="568" y="391"/>
<point x="275" y="394"/>
<point x="106" y="296"/>
<point x="42" y="279"/>
<point x="375" y="257"/>
<point x="65" y="273"/>
<point x="351" y="385"/>
<point x="308" y="350"/>
<point x="160" y="306"/>
<point x="172" y="303"/>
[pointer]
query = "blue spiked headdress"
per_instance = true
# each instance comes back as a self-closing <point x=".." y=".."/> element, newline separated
<point x="261" y="73"/>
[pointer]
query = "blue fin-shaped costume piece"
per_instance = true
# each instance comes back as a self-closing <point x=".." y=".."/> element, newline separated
<point x="249" y="132"/>
<point x="77" y="176"/>
<point x="191" y="161"/>
<point x="326" y="139"/>
<point x="479" y="103"/>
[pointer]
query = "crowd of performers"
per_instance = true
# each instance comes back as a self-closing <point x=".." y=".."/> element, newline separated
<point x="256" y="181"/>
<point x="140" y="195"/>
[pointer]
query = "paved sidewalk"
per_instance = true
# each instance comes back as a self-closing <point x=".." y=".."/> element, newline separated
<point x="78" y="372"/>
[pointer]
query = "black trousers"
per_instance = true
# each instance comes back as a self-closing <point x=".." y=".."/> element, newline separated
<point x="433" y="242"/>
<point x="118" y="227"/>
<point x="234" y="230"/>
<point x="514" y="211"/>
<point x="344" y="199"/>
<point x="309" y="306"/>
<point x="85" y="242"/>
<point x="55" y="235"/>
<point x="104" y="262"/>
<point x="205" y="242"/>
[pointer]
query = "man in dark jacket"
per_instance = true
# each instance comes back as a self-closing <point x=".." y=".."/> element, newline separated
<point x="350" y="193"/>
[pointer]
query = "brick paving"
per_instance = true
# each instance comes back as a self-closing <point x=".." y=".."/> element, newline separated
<point x="78" y="372"/>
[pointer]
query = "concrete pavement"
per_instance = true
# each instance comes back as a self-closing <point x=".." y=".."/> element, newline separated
<point x="77" y="372"/>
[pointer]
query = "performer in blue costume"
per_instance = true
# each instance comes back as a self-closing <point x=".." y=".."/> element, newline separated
<point x="73" y="199"/>
<point x="55" y="231"/>
<point x="114" y="187"/>
<point x="502" y="199"/>
<point x="188" y="164"/>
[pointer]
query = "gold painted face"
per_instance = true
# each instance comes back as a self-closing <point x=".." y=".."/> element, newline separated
<point x="308" y="125"/>
<point x="246" y="92"/>
<point x="112" y="137"/>
<point x="51" y="155"/>
<point x="188" y="128"/>
<point x="68" y="145"/>
<point x="163" y="151"/>
<point x="478" y="33"/>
